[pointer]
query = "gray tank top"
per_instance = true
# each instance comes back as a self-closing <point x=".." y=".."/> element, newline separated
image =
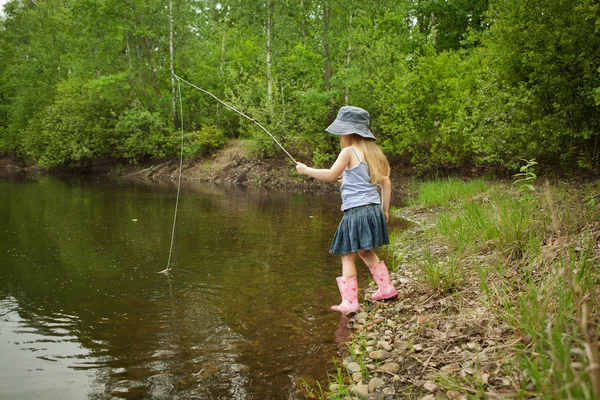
<point x="357" y="189"/>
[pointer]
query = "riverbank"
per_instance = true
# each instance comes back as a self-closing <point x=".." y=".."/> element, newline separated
<point x="498" y="298"/>
<point x="235" y="164"/>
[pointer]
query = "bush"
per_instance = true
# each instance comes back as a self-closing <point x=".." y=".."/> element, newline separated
<point x="204" y="142"/>
<point x="141" y="134"/>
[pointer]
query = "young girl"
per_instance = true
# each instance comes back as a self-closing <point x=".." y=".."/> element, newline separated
<point x="363" y="226"/>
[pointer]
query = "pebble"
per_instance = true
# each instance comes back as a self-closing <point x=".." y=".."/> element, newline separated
<point x="451" y="367"/>
<point x="380" y="355"/>
<point x="389" y="367"/>
<point x="401" y="345"/>
<point x="385" y="345"/>
<point x="375" y="383"/>
<point x="455" y="395"/>
<point x="353" y="367"/>
<point x="357" y="377"/>
<point x="361" y="390"/>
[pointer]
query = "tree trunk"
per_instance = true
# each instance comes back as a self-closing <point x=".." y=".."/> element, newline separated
<point x="172" y="66"/>
<point x="327" y="67"/>
<point x="269" y="55"/>
<point x="348" y="52"/>
<point x="149" y="54"/>
<point x="327" y="61"/>
<point x="221" y="68"/>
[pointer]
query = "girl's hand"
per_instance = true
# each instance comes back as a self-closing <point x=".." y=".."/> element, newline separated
<point x="301" y="168"/>
<point x="387" y="216"/>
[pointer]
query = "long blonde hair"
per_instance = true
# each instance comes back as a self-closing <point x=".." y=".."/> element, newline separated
<point x="379" y="167"/>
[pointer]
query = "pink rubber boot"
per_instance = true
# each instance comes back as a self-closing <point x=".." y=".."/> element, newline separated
<point x="349" y="291"/>
<point x="381" y="276"/>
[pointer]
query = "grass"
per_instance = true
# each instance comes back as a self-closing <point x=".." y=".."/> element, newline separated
<point x="442" y="191"/>
<point x="540" y="276"/>
<point x="339" y="383"/>
<point x="443" y="277"/>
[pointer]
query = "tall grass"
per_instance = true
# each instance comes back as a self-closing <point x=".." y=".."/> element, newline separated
<point x="442" y="191"/>
<point x="541" y="278"/>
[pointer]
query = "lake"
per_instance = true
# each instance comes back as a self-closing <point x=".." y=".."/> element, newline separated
<point x="244" y="313"/>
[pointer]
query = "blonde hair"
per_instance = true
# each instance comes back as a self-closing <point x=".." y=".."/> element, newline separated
<point x="379" y="167"/>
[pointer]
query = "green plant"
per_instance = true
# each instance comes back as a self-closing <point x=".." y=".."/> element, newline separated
<point x="444" y="191"/>
<point x="526" y="178"/>
<point x="442" y="277"/>
<point x="204" y="141"/>
<point x="360" y="355"/>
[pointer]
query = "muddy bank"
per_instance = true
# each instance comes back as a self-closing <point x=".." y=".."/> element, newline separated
<point x="11" y="164"/>
<point x="235" y="164"/>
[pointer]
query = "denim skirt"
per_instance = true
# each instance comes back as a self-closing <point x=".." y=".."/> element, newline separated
<point x="361" y="228"/>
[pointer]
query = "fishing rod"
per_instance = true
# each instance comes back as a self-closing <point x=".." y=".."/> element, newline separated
<point x="239" y="112"/>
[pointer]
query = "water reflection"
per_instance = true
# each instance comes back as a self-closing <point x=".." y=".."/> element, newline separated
<point x="83" y="312"/>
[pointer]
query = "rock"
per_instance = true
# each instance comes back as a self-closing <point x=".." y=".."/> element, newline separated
<point x="357" y="377"/>
<point x="384" y="345"/>
<point x="428" y="397"/>
<point x="362" y="315"/>
<point x="353" y="367"/>
<point x="334" y="387"/>
<point x="375" y="383"/>
<point x="451" y="367"/>
<point x="473" y="346"/>
<point x="380" y="355"/>
<point x="439" y="395"/>
<point x="430" y="386"/>
<point x="361" y="391"/>
<point x="422" y="319"/>
<point x="418" y="348"/>
<point x="455" y="395"/>
<point x="401" y="345"/>
<point x="389" y="367"/>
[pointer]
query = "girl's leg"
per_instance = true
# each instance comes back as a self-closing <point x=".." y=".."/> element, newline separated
<point x="348" y="285"/>
<point x="348" y="265"/>
<point x="369" y="257"/>
<point x="381" y="275"/>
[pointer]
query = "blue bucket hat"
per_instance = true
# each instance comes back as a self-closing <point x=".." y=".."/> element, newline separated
<point x="351" y="120"/>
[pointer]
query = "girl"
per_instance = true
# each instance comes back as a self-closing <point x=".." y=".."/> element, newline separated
<point x="363" y="226"/>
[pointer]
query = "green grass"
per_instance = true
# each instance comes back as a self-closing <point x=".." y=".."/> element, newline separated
<point x="443" y="277"/>
<point x="541" y="277"/>
<point x="442" y="191"/>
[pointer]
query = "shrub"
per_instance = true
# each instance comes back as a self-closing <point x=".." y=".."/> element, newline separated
<point x="204" y="142"/>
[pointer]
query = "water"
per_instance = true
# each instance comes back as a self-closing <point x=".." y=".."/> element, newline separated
<point x="84" y="313"/>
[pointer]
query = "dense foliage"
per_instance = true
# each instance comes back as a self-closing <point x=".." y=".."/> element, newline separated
<point x="448" y="82"/>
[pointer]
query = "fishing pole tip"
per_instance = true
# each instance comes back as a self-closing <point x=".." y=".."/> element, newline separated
<point x="165" y="271"/>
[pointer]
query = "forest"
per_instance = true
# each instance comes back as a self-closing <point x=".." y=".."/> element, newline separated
<point x="448" y="83"/>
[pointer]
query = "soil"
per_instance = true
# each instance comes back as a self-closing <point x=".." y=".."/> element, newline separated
<point x="235" y="164"/>
<point x="9" y="163"/>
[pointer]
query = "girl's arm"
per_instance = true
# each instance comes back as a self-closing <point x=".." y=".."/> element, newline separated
<point x="327" y="175"/>
<point x="386" y="193"/>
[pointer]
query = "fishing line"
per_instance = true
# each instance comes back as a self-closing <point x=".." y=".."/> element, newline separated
<point x="179" y="80"/>
<point x="239" y="112"/>
<point x="166" y="270"/>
